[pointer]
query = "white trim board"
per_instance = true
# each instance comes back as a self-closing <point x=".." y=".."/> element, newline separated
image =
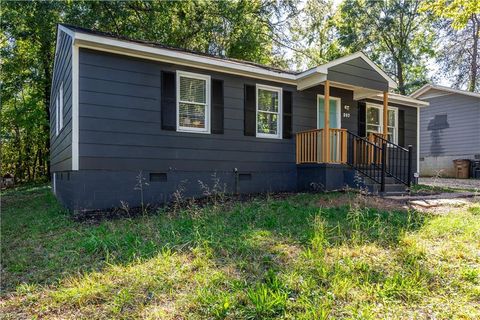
<point x="420" y="92"/>
<point x="75" y="107"/>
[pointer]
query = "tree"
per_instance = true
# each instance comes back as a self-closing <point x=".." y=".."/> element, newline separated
<point x="394" y="33"/>
<point x="458" y="24"/>
<point x="240" y="29"/>
<point x="314" y="33"/>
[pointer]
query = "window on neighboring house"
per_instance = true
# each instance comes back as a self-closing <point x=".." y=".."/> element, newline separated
<point x="193" y="102"/>
<point x="269" y="111"/>
<point x="375" y="121"/>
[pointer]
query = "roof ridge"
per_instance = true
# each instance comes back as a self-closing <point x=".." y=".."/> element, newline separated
<point x="168" y="47"/>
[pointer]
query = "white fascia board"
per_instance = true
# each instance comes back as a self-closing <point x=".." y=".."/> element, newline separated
<point x="311" y="81"/>
<point x="67" y="31"/>
<point x="182" y="58"/>
<point x="427" y="87"/>
<point x="405" y="100"/>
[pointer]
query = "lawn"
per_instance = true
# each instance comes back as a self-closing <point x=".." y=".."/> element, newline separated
<point x="302" y="256"/>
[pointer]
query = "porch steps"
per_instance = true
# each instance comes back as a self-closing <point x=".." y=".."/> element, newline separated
<point x="392" y="187"/>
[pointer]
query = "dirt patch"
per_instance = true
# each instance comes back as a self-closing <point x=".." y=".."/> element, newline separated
<point x="363" y="201"/>
<point x="225" y="201"/>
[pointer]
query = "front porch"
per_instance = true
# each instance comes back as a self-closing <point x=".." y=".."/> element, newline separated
<point x="332" y="158"/>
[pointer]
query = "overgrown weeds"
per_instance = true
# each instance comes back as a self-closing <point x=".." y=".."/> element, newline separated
<point x="303" y="256"/>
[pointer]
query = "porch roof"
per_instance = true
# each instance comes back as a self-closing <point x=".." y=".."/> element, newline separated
<point x="353" y="71"/>
<point x="403" y="100"/>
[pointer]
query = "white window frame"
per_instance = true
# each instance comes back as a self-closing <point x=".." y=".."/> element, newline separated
<point x="339" y="111"/>
<point x="279" y="90"/>
<point x="380" y="114"/>
<point x="379" y="107"/>
<point x="61" y="107"/>
<point x="395" y="131"/>
<point x="207" y="79"/>
<point x="57" y="116"/>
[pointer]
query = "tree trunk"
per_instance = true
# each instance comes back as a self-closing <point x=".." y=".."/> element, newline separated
<point x="47" y="57"/>
<point x="474" y="64"/>
<point x="401" y="80"/>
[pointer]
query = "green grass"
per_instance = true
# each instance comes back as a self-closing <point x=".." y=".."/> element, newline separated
<point x="308" y="256"/>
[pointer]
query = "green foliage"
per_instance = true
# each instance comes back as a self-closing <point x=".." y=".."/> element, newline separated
<point x="458" y="26"/>
<point x="238" y="29"/>
<point x="459" y="12"/>
<point x="395" y="34"/>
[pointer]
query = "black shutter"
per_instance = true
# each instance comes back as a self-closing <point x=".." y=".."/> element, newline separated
<point x="401" y="128"/>
<point x="362" y="119"/>
<point x="249" y="111"/>
<point x="287" y="114"/>
<point x="217" y="106"/>
<point x="169" y="107"/>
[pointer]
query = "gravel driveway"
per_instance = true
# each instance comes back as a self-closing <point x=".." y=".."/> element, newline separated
<point x="451" y="183"/>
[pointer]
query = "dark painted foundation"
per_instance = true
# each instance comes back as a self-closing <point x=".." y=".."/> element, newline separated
<point x="101" y="189"/>
<point x="324" y="177"/>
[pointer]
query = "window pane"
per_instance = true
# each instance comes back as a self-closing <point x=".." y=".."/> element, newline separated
<point x="267" y="123"/>
<point x="391" y="134"/>
<point x="191" y="115"/>
<point x="373" y="116"/>
<point x="333" y="113"/>
<point x="373" y="128"/>
<point x="193" y="90"/>
<point x="267" y="100"/>
<point x="391" y="118"/>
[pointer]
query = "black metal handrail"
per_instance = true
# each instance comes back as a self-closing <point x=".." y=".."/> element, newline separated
<point x="365" y="157"/>
<point x="398" y="160"/>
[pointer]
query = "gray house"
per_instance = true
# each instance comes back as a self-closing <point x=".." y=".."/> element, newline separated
<point x="449" y="128"/>
<point x="126" y="111"/>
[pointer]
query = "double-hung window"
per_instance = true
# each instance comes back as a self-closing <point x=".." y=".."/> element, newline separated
<point x="193" y="102"/>
<point x="57" y="115"/>
<point x="392" y="125"/>
<point x="60" y="121"/>
<point x="269" y="112"/>
<point x="375" y="121"/>
<point x="59" y="110"/>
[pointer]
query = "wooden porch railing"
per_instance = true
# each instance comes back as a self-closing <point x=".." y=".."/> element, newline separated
<point x="311" y="149"/>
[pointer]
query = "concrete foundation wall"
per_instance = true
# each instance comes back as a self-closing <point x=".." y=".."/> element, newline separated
<point x="441" y="166"/>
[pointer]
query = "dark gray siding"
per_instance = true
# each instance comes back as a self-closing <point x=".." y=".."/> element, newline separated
<point x="120" y="123"/>
<point x="120" y="136"/>
<point x="61" y="145"/>
<point x="357" y="72"/>
<point x="450" y="126"/>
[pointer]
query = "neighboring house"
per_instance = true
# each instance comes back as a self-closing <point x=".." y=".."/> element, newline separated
<point x="121" y="107"/>
<point x="449" y="128"/>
